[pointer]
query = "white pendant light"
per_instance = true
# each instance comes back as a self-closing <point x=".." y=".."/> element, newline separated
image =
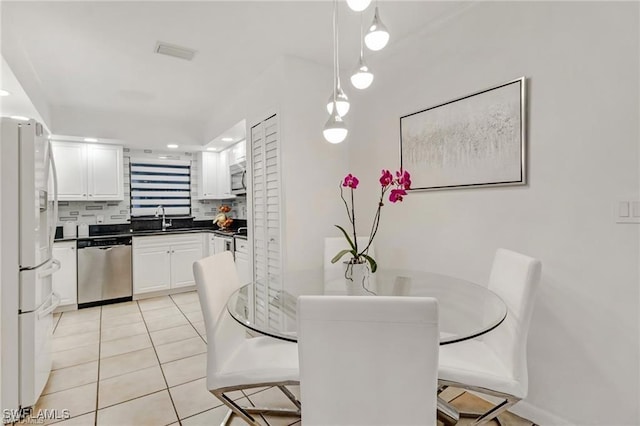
<point x="341" y="101"/>
<point x="362" y="77"/>
<point x="358" y="5"/>
<point x="335" y="130"/>
<point x="377" y="36"/>
<point x="337" y="96"/>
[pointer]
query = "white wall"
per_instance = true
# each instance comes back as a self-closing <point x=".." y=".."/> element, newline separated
<point x="312" y="171"/>
<point x="297" y="90"/>
<point x="582" y="63"/>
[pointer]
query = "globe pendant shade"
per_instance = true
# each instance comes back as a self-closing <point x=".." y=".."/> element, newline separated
<point x="335" y="131"/>
<point x="377" y="36"/>
<point x="361" y="77"/>
<point x="341" y="100"/>
<point x="358" y="5"/>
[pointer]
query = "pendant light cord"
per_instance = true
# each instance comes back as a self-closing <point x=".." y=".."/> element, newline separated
<point x="361" y="36"/>
<point x="335" y="44"/>
<point x="337" y="49"/>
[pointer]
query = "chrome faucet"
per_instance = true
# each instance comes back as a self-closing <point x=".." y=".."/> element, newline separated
<point x="165" y="224"/>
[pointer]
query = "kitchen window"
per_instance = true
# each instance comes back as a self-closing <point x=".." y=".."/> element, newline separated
<point x="160" y="182"/>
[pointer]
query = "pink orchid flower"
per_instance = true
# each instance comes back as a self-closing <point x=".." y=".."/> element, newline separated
<point x="350" y="181"/>
<point x="404" y="179"/>
<point x="396" y="195"/>
<point x="386" y="178"/>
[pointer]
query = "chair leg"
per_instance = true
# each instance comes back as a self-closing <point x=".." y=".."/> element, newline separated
<point x="447" y="413"/>
<point x="495" y="411"/>
<point x="291" y="396"/>
<point x="235" y="409"/>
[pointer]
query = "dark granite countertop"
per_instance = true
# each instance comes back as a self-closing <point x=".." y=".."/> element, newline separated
<point x="143" y="229"/>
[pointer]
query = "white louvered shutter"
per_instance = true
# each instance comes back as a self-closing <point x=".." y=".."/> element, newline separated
<point x="166" y="183"/>
<point x="266" y="195"/>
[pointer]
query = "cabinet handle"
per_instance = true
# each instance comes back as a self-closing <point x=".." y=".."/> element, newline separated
<point x="84" y="195"/>
<point x="90" y="195"/>
<point x="168" y="251"/>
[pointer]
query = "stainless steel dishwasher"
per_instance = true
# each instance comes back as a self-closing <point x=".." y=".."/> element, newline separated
<point x="104" y="271"/>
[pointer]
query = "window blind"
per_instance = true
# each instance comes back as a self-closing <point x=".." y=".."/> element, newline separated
<point x="160" y="182"/>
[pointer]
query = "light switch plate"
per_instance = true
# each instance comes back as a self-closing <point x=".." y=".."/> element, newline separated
<point x="627" y="211"/>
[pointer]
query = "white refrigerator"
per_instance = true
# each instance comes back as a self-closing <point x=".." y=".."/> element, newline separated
<point x="27" y="230"/>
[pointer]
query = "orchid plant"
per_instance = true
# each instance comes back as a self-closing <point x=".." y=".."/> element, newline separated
<point x="397" y="187"/>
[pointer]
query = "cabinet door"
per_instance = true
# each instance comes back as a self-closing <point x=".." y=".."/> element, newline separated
<point x="223" y="180"/>
<point x="105" y="172"/>
<point x="208" y="175"/>
<point x="242" y="266"/>
<point x="241" y="151"/>
<point x="65" y="281"/>
<point x="151" y="269"/>
<point x="71" y="166"/>
<point x="182" y="258"/>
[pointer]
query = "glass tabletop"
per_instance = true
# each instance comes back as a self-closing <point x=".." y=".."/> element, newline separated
<point x="466" y="310"/>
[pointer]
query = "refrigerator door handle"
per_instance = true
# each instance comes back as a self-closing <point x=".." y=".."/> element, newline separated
<point x="54" y="220"/>
<point x="55" y="302"/>
<point x="55" y="267"/>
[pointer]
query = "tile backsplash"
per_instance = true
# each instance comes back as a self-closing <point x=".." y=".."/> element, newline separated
<point x="113" y="212"/>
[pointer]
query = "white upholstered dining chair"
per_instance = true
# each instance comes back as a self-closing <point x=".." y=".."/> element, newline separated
<point x="368" y="360"/>
<point x="496" y="363"/>
<point x="233" y="361"/>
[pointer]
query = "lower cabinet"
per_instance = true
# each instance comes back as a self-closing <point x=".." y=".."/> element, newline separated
<point x="163" y="263"/>
<point x="151" y="269"/>
<point x="242" y="261"/>
<point x="65" y="280"/>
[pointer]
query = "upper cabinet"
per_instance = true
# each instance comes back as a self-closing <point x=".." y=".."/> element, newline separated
<point x="213" y="177"/>
<point x="88" y="171"/>
<point x="238" y="152"/>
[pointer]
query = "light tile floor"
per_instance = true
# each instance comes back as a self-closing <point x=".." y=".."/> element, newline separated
<point x="144" y="363"/>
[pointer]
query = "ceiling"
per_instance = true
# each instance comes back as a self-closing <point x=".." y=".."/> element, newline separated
<point x="98" y="56"/>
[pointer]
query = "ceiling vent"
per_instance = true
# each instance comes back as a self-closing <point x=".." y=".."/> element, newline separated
<point x="175" y="51"/>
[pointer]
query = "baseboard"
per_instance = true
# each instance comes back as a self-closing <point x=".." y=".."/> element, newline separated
<point x="538" y="415"/>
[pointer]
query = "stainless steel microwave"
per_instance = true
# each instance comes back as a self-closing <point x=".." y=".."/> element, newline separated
<point x="238" y="178"/>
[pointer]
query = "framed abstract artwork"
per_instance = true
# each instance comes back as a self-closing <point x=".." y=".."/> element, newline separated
<point x="476" y="140"/>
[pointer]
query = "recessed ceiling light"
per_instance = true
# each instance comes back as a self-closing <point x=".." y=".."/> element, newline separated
<point x="163" y="157"/>
<point x="212" y="149"/>
<point x="172" y="146"/>
<point x="4" y="93"/>
<point x="90" y="140"/>
<point x="20" y="118"/>
<point x="227" y="139"/>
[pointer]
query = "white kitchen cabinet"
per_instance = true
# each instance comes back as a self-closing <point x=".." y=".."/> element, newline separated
<point x="182" y="258"/>
<point x="65" y="280"/>
<point x="88" y="171"/>
<point x="151" y="269"/>
<point x="242" y="260"/>
<point x="71" y="168"/>
<point x="213" y="177"/>
<point x="238" y="153"/>
<point x="104" y="170"/>
<point x="165" y="262"/>
<point x="224" y="179"/>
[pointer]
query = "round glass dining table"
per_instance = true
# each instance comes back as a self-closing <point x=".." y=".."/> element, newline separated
<point x="466" y="310"/>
